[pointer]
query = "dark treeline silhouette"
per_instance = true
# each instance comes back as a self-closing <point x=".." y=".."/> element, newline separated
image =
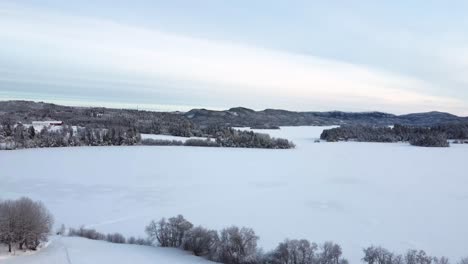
<point x="20" y="136"/>
<point x="264" y="126"/>
<point x="24" y="223"/>
<point x="161" y="142"/>
<point x="419" y="136"/>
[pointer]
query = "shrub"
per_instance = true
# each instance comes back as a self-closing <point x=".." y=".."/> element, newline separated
<point x="169" y="233"/>
<point x="115" y="238"/>
<point x="200" y="241"/>
<point x="87" y="233"/>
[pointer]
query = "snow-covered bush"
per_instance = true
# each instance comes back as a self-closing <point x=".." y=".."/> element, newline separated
<point x="169" y="233"/>
<point x="115" y="238"/>
<point x="87" y="233"/>
<point x="200" y="241"/>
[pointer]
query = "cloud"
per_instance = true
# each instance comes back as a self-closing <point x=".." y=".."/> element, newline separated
<point x="99" y="49"/>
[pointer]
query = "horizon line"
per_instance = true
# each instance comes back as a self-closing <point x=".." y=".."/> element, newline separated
<point x="170" y="108"/>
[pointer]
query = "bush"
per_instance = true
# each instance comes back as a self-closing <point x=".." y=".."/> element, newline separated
<point x="200" y="241"/>
<point x="87" y="233"/>
<point x="169" y="233"/>
<point x="115" y="238"/>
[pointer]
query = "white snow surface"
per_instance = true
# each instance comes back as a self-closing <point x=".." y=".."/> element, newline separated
<point x="75" y="250"/>
<point x="355" y="194"/>
<point x="169" y="137"/>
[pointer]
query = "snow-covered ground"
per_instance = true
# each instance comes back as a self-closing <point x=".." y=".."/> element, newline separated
<point x="356" y="194"/>
<point x="168" y="137"/>
<point x="68" y="250"/>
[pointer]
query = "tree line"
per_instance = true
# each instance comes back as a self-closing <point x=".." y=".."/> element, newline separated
<point x="380" y="255"/>
<point x="24" y="223"/>
<point x="418" y="136"/>
<point x="234" y="245"/>
<point x="20" y="136"/>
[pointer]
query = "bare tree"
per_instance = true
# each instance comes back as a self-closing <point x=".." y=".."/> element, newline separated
<point x="331" y="253"/>
<point x="379" y="255"/>
<point x="7" y="223"/>
<point x="237" y="246"/>
<point x="24" y="222"/>
<point x="294" y="252"/>
<point x="442" y="260"/>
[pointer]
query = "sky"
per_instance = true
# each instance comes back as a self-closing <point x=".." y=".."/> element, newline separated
<point x="391" y="56"/>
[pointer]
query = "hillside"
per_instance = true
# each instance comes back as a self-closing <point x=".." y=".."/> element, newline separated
<point x="191" y="122"/>
<point x="271" y="117"/>
<point x="66" y="250"/>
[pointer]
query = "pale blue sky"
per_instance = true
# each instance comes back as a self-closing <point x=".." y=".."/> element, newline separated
<point x="397" y="56"/>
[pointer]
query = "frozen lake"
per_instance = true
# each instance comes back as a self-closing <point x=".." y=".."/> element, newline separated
<point x="355" y="194"/>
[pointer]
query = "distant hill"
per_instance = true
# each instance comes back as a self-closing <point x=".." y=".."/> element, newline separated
<point x="273" y="117"/>
<point x="171" y="122"/>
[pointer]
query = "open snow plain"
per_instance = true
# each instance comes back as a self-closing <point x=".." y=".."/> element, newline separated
<point x="356" y="194"/>
<point x="76" y="250"/>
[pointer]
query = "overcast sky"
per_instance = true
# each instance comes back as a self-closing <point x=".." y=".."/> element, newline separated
<point x="398" y="56"/>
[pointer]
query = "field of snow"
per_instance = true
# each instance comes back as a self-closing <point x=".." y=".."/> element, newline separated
<point x="356" y="194"/>
<point x="168" y="137"/>
<point x="67" y="250"/>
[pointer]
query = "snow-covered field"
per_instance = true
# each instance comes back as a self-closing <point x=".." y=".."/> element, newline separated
<point x="356" y="194"/>
<point x="168" y="137"/>
<point x="67" y="250"/>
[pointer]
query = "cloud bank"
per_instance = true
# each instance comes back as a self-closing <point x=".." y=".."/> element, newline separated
<point x="79" y="55"/>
